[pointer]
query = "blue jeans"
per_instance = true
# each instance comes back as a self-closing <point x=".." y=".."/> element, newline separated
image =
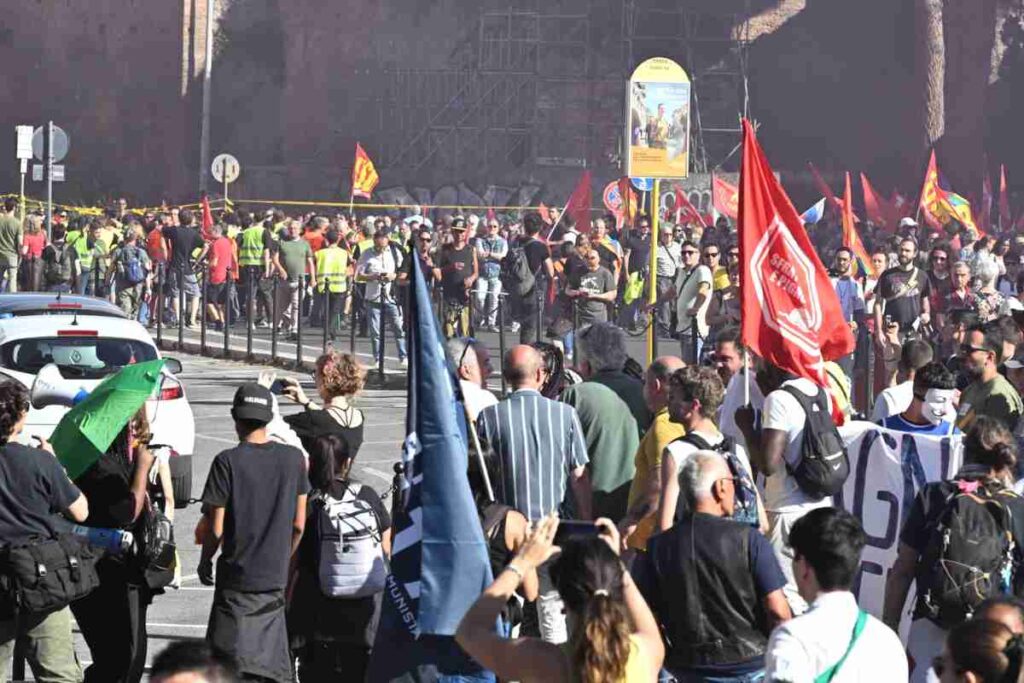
<point x="85" y="285"/>
<point x="395" y="320"/>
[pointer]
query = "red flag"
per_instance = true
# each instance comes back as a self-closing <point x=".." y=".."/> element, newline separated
<point x="545" y="214"/>
<point x="879" y="210"/>
<point x="364" y="174"/>
<point x="985" y="211"/>
<point x="686" y="212"/>
<point x="824" y="188"/>
<point x="207" y="228"/>
<point x="1004" y="199"/>
<point x="578" y="205"/>
<point x="725" y="197"/>
<point x="790" y="312"/>
<point x="851" y="240"/>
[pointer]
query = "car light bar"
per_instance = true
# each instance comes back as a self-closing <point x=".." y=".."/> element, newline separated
<point x="78" y="333"/>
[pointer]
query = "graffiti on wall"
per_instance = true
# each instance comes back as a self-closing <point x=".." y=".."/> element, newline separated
<point x="460" y="195"/>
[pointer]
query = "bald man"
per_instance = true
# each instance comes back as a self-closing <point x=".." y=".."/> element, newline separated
<point x="541" y="454"/>
<point x="539" y="443"/>
<point x="640" y="520"/>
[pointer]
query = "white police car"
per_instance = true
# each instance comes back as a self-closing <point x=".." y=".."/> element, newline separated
<point x="88" y="339"/>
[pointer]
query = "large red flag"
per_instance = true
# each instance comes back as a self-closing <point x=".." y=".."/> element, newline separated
<point x="725" y="197"/>
<point x="1004" y="200"/>
<point x="851" y="240"/>
<point x="686" y="212"/>
<point x="879" y="210"/>
<point x="207" y="228"/>
<point x="791" y="314"/>
<point x="578" y="205"/>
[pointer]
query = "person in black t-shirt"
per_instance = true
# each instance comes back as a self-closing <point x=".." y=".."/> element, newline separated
<point x="254" y="511"/>
<point x="181" y="242"/>
<point x="592" y="290"/>
<point x="457" y="269"/>
<point x="34" y="489"/>
<point x="333" y="636"/>
<point x="903" y="294"/>
<point x="538" y="257"/>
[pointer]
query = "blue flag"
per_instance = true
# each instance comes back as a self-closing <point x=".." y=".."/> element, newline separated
<point x="439" y="560"/>
<point x="814" y="214"/>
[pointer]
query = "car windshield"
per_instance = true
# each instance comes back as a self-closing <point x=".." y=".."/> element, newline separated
<point x="77" y="357"/>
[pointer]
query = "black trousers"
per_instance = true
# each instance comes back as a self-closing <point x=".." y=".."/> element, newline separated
<point x="113" y="622"/>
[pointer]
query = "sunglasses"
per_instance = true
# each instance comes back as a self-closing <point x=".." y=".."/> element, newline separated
<point x="710" y="254"/>
<point x="967" y="349"/>
<point x="690" y="252"/>
<point x="939" y="258"/>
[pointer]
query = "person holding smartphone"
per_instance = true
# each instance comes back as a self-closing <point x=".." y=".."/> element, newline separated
<point x="614" y="635"/>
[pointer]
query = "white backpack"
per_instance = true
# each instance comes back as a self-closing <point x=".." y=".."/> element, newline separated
<point x="351" y="563"/>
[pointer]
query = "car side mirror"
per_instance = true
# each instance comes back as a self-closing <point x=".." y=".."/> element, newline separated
<point x="172" y="365"/>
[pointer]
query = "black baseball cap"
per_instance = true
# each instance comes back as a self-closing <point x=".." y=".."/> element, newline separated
<point x="254" y="403"/>
<point x="458" y="223"/>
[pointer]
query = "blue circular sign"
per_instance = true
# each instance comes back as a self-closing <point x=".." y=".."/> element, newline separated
<point x="643" y="184"/>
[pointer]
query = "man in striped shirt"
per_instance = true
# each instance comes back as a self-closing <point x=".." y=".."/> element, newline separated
<point x="538" y="444"/>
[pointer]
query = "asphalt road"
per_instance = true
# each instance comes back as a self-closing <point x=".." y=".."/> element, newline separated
<point x="210" y="385"/>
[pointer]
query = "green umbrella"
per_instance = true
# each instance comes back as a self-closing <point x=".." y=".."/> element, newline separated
<point x="87" y="430"/>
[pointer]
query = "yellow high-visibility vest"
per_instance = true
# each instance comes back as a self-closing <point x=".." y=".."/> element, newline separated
<point x="251" y="253"/>
<point x="331" y="264"/>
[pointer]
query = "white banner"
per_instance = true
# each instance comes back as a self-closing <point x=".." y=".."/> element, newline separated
<point x="887" y="469"/>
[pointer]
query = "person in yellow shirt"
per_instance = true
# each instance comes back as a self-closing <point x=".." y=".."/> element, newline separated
<point x="640" y="521"/>
<point x="711" y="256"/>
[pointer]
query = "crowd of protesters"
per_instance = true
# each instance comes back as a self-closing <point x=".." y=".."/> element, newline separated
<point x="646" y="523"/>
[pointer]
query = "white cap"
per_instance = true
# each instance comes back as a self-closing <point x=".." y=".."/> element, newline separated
<point x="908" y="222"/>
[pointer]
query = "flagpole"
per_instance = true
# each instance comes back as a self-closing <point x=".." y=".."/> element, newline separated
<point x="746" y="377"/>
<point x="652" y="293"/>
<point x="471" y="427"/>
<point x="564" y="209"/>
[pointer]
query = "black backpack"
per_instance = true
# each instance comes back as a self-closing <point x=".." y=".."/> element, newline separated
<point x="969" y="556"/>
<point x="516" y="275"/>
<point x="746" y="495"/>
<point x="156" y="551"/>
<point x="824" y="464"/>
<point x="56" y="270"/>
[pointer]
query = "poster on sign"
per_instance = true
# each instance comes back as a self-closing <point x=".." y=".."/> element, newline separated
<point x="658" y="120"/>
<point x="887" y="469"/>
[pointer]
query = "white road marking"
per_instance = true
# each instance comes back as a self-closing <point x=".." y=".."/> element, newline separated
<point x="230" y="442"/>
<point x="377" y="473"/>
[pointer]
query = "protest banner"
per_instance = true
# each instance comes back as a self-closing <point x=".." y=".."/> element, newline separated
<point x="887" y="469"/>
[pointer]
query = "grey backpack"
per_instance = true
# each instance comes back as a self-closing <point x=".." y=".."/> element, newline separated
<point x="351" y="558"/>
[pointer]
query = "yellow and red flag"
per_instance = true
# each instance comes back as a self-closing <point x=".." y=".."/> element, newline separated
<point x="930" y="195"/>
<point x="851" y="240"/>
<point x="364" y="174"/>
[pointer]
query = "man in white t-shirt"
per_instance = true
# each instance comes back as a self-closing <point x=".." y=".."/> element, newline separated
<point x="771" y="449"/>
<point x="834" y="635"/>
<point x="893" y="400"/>
<point x="473" y="366"/>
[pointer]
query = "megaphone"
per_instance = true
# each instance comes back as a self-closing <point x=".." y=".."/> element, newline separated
<point x="51" y="389"/>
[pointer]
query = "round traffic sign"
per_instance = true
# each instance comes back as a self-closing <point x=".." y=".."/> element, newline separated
<point x="60" y="143"/>
<point x="225" y="168"/>
<point x="642" y="184"/>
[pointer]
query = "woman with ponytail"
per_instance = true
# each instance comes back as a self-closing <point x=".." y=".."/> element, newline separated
<point x="980" y="651"/>
<point x="936" y="553"/>
<point x="613" y="637"/>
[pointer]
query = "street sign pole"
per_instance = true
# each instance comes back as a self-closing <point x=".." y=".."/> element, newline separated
<point x="652" y="292"/>
<point x="21" y="200"/>
<point x="49" y="179"/>
<point x="204" y="135"/>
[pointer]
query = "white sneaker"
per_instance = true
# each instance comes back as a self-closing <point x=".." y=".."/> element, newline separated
<point x="404" y="362"/>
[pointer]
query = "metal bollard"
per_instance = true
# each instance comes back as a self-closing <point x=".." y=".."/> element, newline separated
<point x="396" y="495"/>
<point x="382" y="333"/>
<point x="273" y="319"/>
<point x="181" y="307"/>
<point x="540" y="310"/>
<point x="501" y="342"/>
<point x="298" y="324"/>
<point x="159" y="312"/>
<point x="204" y="305"/>
<point x="249" y="306"/>
<point x="355" y="319"/>
<point x="327" y="310"/>
<point x="228" y="296"/>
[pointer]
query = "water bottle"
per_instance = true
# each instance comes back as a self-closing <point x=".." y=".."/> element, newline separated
<point x="112" y="540"/>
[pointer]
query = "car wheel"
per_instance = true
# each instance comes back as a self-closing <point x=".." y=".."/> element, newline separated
<point x="181" y="479"/>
